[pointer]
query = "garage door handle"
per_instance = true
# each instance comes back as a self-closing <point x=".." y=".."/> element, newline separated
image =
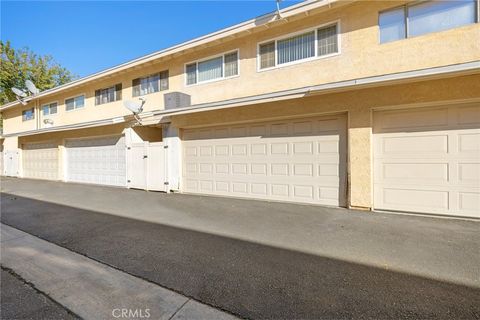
<point x="145" y="157"/>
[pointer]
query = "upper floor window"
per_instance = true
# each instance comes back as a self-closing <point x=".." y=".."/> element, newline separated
<point x="75" y="103"/>
<point x="308" y="45"/>
<point x="28" y="114"/>
<point x="425" y="17"/>
<point x="113" y="93"/>
<point x="49" y="109"/>
<point x="152" y="83"/>
<point x="220" y="67"/>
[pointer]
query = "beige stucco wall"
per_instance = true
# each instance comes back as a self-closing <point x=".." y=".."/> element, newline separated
<point x="361" y="56"/>
<point x="359" y="105"/>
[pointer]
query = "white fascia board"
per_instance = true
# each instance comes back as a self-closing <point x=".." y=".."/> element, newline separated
<point x="82" y="125"/>
<point x="191" y="44"/>
<point x="156" y="116"/>
<point x="383" y="80"/>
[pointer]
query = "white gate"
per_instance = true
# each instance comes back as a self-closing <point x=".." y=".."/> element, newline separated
<point x="147" y="166"/>
<point x="10" y="162"/>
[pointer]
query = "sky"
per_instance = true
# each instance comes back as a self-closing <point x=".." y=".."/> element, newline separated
<point x="90" y="36"/>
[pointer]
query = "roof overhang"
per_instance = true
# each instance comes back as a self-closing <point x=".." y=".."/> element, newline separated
<point x="355" y="84"/>
<point x="244" y="28"/>
<point x="161" y="117"/>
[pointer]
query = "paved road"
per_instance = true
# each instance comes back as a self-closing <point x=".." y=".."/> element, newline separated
<point x="90" y="289"/>
<point x="257" y="280"/>
<point x="21" y="301"/>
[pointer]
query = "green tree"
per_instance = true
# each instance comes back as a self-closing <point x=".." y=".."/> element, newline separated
<point x="18" y="65"/>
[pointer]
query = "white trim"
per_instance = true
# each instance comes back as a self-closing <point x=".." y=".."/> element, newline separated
<point x="210" y="58"/>
<point x="296" y="33"/>
<point x="73" y="97"/>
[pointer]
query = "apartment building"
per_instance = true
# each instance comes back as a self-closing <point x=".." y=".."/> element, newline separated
<point x="361" y="104"/>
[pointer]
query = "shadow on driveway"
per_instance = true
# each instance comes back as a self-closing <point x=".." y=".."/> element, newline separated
<point x="248" y="279"/>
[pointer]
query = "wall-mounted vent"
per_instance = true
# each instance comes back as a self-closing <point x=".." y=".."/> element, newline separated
<point x="174" y="100"/>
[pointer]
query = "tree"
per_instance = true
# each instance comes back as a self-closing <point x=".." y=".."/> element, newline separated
<point x="18" y="65"/>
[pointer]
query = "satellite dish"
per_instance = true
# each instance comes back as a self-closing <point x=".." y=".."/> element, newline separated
<point x="31" y="87"/>
<point x="135" y="106"/>
<point x="19" y="93"/>
<point x="278" y="7"/>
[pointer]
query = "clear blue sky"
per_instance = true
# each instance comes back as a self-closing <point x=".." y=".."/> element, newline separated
<point x="90" y="36"/>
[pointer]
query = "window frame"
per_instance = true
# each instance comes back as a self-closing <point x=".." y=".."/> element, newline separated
<point x="405" y="12"/>
<point x="159" y="82"/>
<point x="33" y="114"/>
<point x="49" y="104"/>
<point x="210" y="58"/>
<point x="297" y="33"/>
<point x="73" y="97"/>
<point x="105" y="88"/>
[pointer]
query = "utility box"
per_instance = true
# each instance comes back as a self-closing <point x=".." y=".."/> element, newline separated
<point x="174" y="100"/>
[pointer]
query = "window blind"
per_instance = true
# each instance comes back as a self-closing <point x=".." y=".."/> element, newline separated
<point x="296" y="48"/>
<point x="210" y="69"/>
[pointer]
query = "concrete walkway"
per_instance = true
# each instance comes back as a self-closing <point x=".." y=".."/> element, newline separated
<point x="90" y="289"/>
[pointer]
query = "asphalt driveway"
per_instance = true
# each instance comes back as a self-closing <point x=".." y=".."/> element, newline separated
<point x="263" y="260"/>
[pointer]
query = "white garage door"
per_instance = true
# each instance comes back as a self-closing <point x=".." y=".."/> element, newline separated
<point x="300" y="160"/>
<point x="40" y="161"/>
<point x="428" y="160"/>
<point x="98" y="161"/>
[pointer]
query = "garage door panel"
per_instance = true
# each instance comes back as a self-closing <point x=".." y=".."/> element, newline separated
<point x="469" y="115"/>
<point x="288" y="160"/>
<point x="414" y="120"/>
<point x="40" y="161"/>
<point x="425" y="168"/>
<point x="97" y="160"/>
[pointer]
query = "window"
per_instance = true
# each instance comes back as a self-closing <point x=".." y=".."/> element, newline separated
<point x="267" y="55"/>
<point x="425" y="17"/>
<point x="49" y="109"/>
<point x="392" y="25"/>
<point x="75" y="103"/>
<point x="220" y="67"/>
<point x="316" y="43"/>
<point x="296" y="48"/>
<point x="113" y="93"/>
<point x="150" y="84"/>
<point x="28" y="114"/>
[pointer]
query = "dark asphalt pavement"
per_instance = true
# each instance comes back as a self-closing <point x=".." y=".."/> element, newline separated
<point x="21" y="301"/>
<point x="248" y="279"/>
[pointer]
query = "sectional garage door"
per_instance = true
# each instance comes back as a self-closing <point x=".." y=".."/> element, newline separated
<point x="98" y="161"/>
<point x="428" y="160"/>
<point x="40" y="161"/>
<point x="301" y="160"/>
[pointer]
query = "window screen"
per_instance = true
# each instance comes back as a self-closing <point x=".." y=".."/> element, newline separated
<point x="327" y="40"/>
<point x="231" y="64"/>
<point x="267" y="55"/>
<point x="192" y="73"/>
